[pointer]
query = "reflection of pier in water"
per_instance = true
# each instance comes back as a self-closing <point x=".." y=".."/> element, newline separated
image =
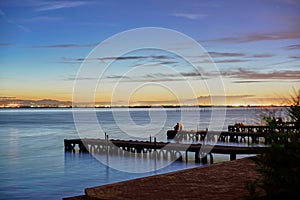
<point x="157" y="150"/>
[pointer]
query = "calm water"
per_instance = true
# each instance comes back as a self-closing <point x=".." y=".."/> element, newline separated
<point x="33" y="164"/>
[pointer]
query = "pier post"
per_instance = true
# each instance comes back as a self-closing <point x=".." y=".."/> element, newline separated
<point x="211" y="158"/>
<point x="68" y="145"/>
<point x="197" y="158"/>
<point x="186" y="156"/>
<point x="204" y="159"/>
<point x="232" y="156"/>
<point x="82" y="147"/>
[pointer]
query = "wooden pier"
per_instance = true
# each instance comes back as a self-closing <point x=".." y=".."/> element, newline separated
<point x="236" y="133"/>
<point x="222" y="136"/>
<point x="165" y="150"/>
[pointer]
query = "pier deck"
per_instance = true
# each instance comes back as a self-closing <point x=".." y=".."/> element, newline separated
<point x="160" y="148"/>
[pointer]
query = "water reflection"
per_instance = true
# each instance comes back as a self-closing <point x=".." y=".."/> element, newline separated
<point x="13" y="144"/>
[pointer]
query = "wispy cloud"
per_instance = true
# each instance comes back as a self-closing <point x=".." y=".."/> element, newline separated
<point x="13" y="22"/>
<point x="43" y="19"/>
<point x="227" y="57"/>
<point x="231" y="61"/>
<point x="64" y="46"/>
<point x="5" y="44"/>
<point x="225" y="54"/>
<point x="191" y="16"/>
<point x="250" y="74"/>
<point x="295" y="57"/>
<point x="227" y="96"/>
<point x="233" y="54"/>
<point x="160" y="59"/>
<point x="263" y="55"/>
<point x="288" y="35"/>
<point x="55" y="5"/>
<point x="293" y="47"/>
<point x="248" y="81"/>
<point x="80" y="79"/>
<point x="117" y="77"/>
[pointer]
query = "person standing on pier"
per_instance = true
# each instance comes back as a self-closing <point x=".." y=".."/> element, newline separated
<point x="178" y="127"/>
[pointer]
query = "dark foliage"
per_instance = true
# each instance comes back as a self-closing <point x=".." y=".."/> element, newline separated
<point x="279" y="168"/>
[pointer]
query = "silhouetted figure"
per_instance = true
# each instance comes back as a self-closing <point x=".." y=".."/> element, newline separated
<point x="279" y="119"/>
<point x="178" y="127"/>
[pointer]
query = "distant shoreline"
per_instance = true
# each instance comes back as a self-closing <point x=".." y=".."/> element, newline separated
<point x="176" y="107"/>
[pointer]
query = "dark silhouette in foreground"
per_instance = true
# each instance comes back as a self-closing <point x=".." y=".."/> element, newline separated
<point x="279" y="168"/>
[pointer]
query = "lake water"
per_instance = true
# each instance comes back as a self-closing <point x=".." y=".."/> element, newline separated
<point x="33" y="164"/>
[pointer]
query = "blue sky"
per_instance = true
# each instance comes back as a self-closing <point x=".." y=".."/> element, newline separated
<point x="255" y="44"/>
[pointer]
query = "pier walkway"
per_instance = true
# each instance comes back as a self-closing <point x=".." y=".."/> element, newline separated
<point x="153" y="149"/>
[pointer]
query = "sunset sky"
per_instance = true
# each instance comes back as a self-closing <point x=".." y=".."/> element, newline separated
<point x="254" y="44"/>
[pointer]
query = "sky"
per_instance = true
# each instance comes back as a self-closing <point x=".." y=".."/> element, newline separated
<point x="255" y="45"/>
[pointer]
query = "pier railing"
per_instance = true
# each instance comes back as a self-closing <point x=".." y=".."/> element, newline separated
<point x="288" y="128"/>
<point x="250" y="134"/>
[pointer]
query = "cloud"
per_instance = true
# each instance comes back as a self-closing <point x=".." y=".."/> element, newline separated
<point x="55" y="5"/>
<point x="287" y="35"/>
<point x="43" y="19"/>
<point x="191" y="16"/>
<point x="117" y="77"/>
<point x="5" y="44"/>
<point x="167" y="63"/>
<point x="293" y="47"/>
<point x="248" y="81"/>
<point x="161" y="77"/>
<point x="191" y="74"/>
<point x="160" y="59"/>
<point x="227" y="96"/>
<point x="250" y="74"/>
<point x="80" y="79"/>
<point x="225" y="54"/>
<point x="230" y="61"/>
<point x="232" y="54"/>
<point x="13" y="22"/>
<point x="64" y="46"/>
<point x="295" y="57"/>
<point x="263" y="55"/>
<point x="124" y="58"/>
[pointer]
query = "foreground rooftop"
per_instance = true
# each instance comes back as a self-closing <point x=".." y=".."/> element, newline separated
<point x="224" y="180"/>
